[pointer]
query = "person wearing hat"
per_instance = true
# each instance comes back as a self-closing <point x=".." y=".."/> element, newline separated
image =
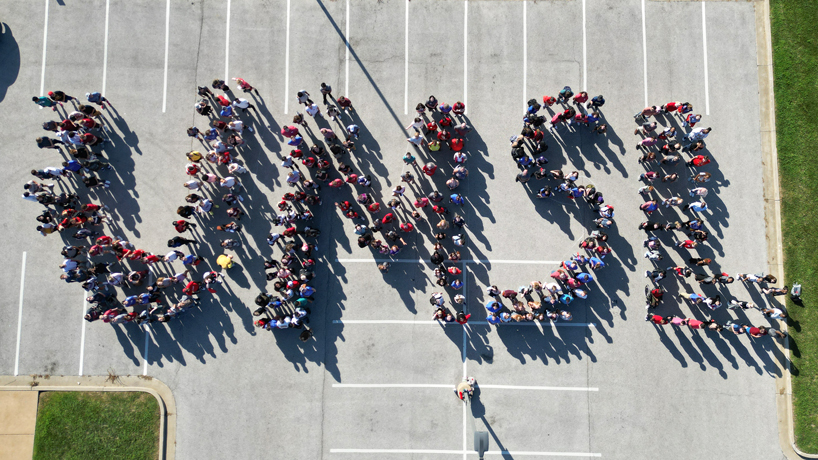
<point x="225" y="261"/>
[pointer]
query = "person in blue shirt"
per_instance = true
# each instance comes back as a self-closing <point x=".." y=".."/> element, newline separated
<point x="493" y="306"/>
<point x="585" y="278"/>
<point x="457" y="199"/>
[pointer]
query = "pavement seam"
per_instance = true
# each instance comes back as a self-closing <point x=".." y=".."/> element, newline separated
<point x="772" y="195"/>
<point x="152" y="386"/>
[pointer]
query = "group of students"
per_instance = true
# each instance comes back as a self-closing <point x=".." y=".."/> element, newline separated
<point x="670" y="142"/>
<point x="569" y="280"/>
<point x="127" y="267"/>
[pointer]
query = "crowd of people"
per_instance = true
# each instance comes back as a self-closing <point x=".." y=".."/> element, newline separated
<point x="661" y="147"/>
<point x="108" y="268"/>
<point x="106" y="262"/>
<point x="571" y="279"/>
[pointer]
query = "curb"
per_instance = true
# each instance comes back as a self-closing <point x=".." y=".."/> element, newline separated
<point x="772" y="216"/>
<point x="150" y="385"/>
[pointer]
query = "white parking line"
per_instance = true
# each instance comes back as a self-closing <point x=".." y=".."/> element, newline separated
<point x="45" y="41"/>
<point x="465" y="53"/>
<point x="525" y="54"/>
<point x="645" y="53"/>
<point x="167" y="42"/>
<point x="584" y="52"/>
<point x="346" y="65"/>
<point x="465" y="363"/>
<point x="519" y="453"/>
<point x="406" y="64"/>
<point x="20" y="316"/>
<point x="706" y="83"/>
<point x="82" y="337"/>
<point x="443" y="323"/>
<point x="287" y="64"/>
<point x="105" y="47"/>
<point x="227" y="45"/>
<point x="450" y="386"/>
<point x="391" y="385"/>
<point x="466" y="261"/>
<point x="147" y="337"/>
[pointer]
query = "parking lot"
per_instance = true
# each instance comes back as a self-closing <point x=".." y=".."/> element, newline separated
<point x="376" y="382"/>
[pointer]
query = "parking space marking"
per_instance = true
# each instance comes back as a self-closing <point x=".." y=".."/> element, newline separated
<point x="346" y="65"/>
<point x="167" y="43"/>
<point x="406" y="63"/>
<point x="645" y="53"/>
<point x="227" y="45"/>
<point x="105" y="47"/>
<point x="584" y="52"/>
<point x="465" y="54"/>
<point x="287" y="63"/>
<point x="45" y="41"/>
<point x="82" y="336"/>
<point x="704" y="44"/>
<point x="519" y="453"/>
<point x="525" y="54"/>
<point x="20" y="316"/>
<point x="147" y="342"/>
<point x="443" y="323"/>
<point x="450" y="386"/>
<point x="467" y="261"/>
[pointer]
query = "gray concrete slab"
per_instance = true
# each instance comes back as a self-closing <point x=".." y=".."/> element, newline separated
<point x="222" y="369"/>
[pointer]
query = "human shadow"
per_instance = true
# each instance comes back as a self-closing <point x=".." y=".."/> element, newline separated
<point x="10" y="59"/>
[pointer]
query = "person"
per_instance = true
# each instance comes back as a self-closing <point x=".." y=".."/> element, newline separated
<point x="465" y="388"/>
<point x="326" y="90"/>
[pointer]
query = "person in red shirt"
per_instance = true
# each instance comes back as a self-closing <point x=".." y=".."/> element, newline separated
<point x="456" y="144"/>
<point x="388" y="218"/>
<point x="344" y="206"/>
<point x="440" y="209"/>
<point x="671" y="107"/>
<point x="429" y="168"/>
<point x="549" y="100"/>
<point x="699" y="160"/>
<point x="421" y="202"/>
<point x="182" y="225"/>
<point x="374" y="208"/>
<point x="431" y="127"/>
<point x="443" y="136"/>
<point x="445" y="122"/>
<point x="656" y="319"/>
<point x="407" y="227"/>
<point x="581" y="98"/>
<point x="687" y="244"/>
<point x="459" y="108"/>
<point x="463" y="318"/>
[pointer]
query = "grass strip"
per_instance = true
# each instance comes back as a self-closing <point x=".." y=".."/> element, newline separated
<point x="795" y="63"/>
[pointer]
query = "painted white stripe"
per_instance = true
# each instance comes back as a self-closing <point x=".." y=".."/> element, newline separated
<point x="465" y="361"/>
<point x="465" y="54"/>
<point x="518" y="453"/>
<point x="525" y="54"/>
<point x="443" y="323"/>
<point x="584" y="52"/>
<point x="82" y="337"/>
<point x="536" y="388"/>
<point x="450" y="386"/>
<point x="287" y="64"/>
<point x="167" y="42"/>
<point x="227" y="45"/>
<point x="346" y="66"/>
<point x="466" y="261"/>
<point x="406" y="64"/>
<point x="45" y="42"/>
<point x="20" y="316"/>
<point x="645" y="53"/>
<point x="392" y="385"/>
<point x="390" y="321"/>
<point x="706" y="82"/>
<point x="147" y="337"/>
<point x="105" y="48"/>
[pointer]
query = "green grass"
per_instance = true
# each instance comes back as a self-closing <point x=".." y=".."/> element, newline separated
<point x="97" y="425"/>
<point x="795" y="60"/>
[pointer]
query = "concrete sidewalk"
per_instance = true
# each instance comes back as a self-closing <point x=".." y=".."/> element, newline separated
<point x="18" y="416"/>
